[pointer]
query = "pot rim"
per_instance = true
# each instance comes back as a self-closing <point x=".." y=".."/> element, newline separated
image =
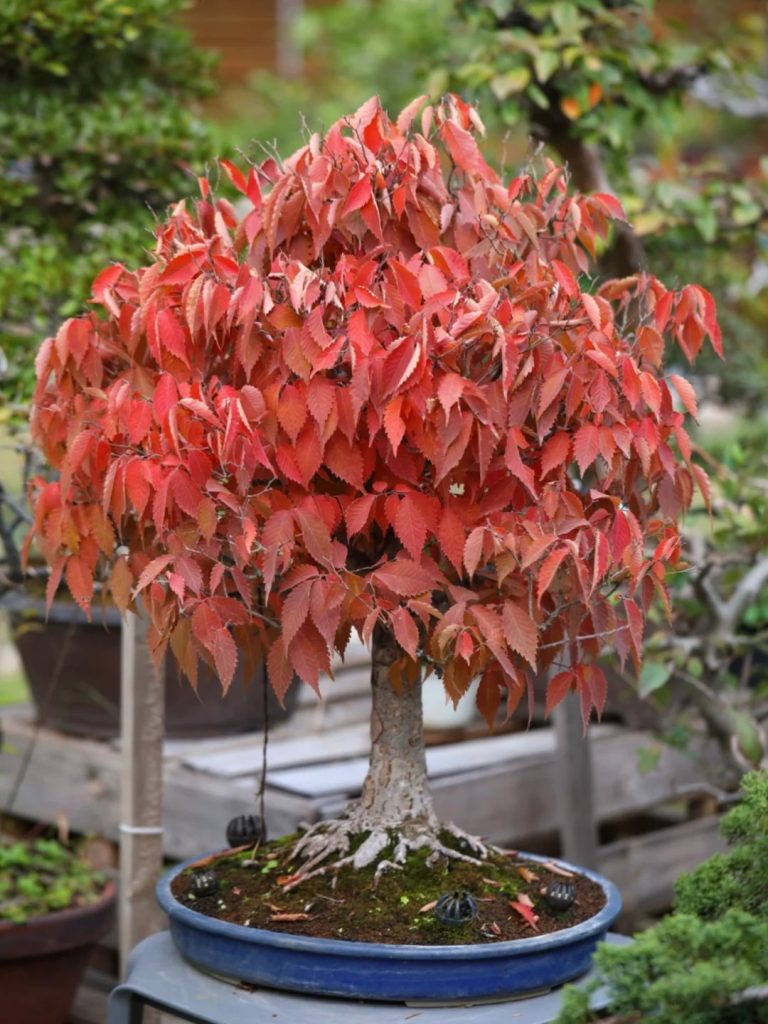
<point x="593" y="926"/>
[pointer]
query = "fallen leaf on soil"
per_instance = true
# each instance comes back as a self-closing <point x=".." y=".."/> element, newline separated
<point x="526" y="913"/>
<point x="525" y="899"/>
<point x="495" y="928"/>
<point x="286" y="879"/>
<point x="557" y="870"/>
<point x="291" y="917"/>
<point x="428" y="906"/>
<point x="492" y="881"/>
<point x="236" y="891"/>
<point x="527" y="875"/>
<point x="273" y="907"/>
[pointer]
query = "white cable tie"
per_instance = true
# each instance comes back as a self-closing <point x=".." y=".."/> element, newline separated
<point x="141" y="830"/>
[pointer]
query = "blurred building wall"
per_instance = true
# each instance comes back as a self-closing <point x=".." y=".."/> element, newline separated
<point x="248" y="34"/>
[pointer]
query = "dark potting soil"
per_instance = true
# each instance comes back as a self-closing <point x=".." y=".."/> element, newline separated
<point x="400" y="909"/>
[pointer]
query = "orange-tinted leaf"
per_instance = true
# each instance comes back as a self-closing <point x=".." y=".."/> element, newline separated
<point x="686" y="393"/>
<point x="80" y="582"/>
<point x="557" y="688"/>
<point x="405" y="630"/>
<point x="520" y="632"/>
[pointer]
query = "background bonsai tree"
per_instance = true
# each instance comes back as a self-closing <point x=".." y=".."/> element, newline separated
<point x="378" y="400"/>
<point x="704" y="963"/>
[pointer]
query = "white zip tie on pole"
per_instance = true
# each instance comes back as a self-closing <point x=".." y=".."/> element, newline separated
<point x="141" y="830"/>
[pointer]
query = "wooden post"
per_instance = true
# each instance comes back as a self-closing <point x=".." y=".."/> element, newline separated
<point x="573" y="781"/>
<point x="141" y="786"/>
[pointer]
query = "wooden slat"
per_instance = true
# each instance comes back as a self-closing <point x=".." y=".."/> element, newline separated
<point x="322" y="779"/>
<point x="308" y="748"/>
<point x="505" y="801"/>
<point x="645" y="867"/>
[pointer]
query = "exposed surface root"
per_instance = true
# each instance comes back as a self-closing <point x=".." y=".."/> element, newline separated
<point x="328" y="846"/>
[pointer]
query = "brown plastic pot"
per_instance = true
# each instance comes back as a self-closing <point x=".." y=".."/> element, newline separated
<point x="73" y="670"/>
<point x="42" y="961"/>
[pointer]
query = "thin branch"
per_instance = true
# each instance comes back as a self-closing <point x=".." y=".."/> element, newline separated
<point x="744" y="594"/>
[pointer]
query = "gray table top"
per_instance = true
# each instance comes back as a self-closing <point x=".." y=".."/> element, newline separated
<point x="157" y="973"/>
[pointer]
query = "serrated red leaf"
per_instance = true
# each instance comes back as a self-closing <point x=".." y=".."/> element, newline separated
<point x="586" y="446"/>
<point x="405" y="630"/>
<point x="180" y="269"/>
<point x="345" y="461"/>
<point x="308" y="654"/>
<point x="393" y="424"/>
<point x="636" y="628"/>
<point x="686" y="393"/>
<point x="461" y="146"/>
<point x="405" y="578"/>
<point x="292" y="411"/>
<point x="703" y="483"/>
<point x="357" y="513"/>
<point x="555" y="453"/>
<point x="139" y="422"/>
<point x="121" y="584"/>
<point x="451" y="537"/>
<point x="549" y="567"/>
<point x="557" y="688"/>
<point x="317" y="539"/>
<point x="235" y="175"/>
<point x="450" y="390"/>
<point x="295" y="611"/>
<point x="151" y="572"/>
<point x="521" y="632"/>
<point x="279" y="671"/>
<point x="473" y="550"/>
<point x="565" y="278"/>
<point x="171" y="335"/>
<point x="410" y="526"/>
<point x="79" y="579"/>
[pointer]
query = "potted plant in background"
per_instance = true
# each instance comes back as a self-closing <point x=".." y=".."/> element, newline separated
<point x="379" y="400"/>
<point x="54" y="907"/>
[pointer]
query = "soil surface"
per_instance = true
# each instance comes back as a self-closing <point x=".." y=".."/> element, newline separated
<point x="400" y="909"/>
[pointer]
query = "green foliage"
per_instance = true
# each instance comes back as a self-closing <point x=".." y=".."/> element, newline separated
<point x="95" y="134"/>
<point x="42" y="877"/>
<point x="394" y="48"/>
<point x="700" y="963"/>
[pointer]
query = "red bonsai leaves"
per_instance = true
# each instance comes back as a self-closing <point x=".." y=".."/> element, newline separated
<point x="378" y="395"/>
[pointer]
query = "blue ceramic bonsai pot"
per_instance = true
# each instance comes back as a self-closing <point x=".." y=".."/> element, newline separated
<point x="395" y="973"/>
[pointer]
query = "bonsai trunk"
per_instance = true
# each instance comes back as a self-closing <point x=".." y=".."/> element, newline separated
<point x="396" y="789"/>
<point x="394" y="815"/>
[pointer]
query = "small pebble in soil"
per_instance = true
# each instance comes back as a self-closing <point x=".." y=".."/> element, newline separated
<point x="246" y="829"/>
<point x="203" y="883"/>
<point x="560" y="895"/>
<point x="455" y="908"/>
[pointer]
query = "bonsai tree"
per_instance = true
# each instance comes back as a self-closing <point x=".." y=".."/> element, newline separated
<point x="383" y="399"/>
<point x="704" y="963"/>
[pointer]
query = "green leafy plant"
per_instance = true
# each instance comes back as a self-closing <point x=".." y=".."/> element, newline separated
<point x="42" y="876"/>
<point x="706" y="962"/>
<point x="96" y="132"/>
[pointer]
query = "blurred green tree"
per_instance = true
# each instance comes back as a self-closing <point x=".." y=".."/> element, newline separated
<point x="96" y="132"/>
